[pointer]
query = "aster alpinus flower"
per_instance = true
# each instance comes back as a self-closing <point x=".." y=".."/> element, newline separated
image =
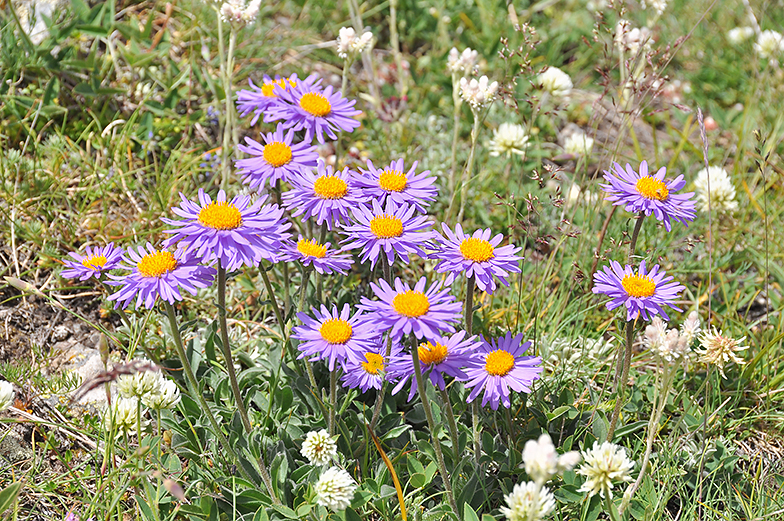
<point x="278" y="159"/>
<point x="371" y="369"/>
<point x="392" y="230"/>
<point x="155" y="273"/>
<point x="645" y="292"/>
<point x="442" y="355"/>
<point x="422" y="311"/>
<point x="318" y="111"/>
<point x="650" y="194"/>
<point x="237" y="232"/>
<point x="393" y="182"/>
<point x="334" y="336"/>
<point x="499" y="367"/>
<point x="478" y="256"/>
<point x="94" y="264"/>
<point x="321" y="257"/>
<point x="326" y="196"/>
<point x="260" y="97"/>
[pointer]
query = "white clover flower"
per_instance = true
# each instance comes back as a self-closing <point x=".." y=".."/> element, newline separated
<point x="542" y="462"/>
<point x="478" y="93"/>
<point x="718" y="349"/>
<point x="658" y="5"/>
<point x="631" y="39"/>
<point x="6" y="395"/>
<point x="351" y="44"/>
<point x="528" y="502"/>
<point x="540" y="458"/>
<point x="555" y="81"/>
<point x="508" y="138"/>
<point x="578" y="144"/>
<point x="237" y="12"/>
<point x="690" y="328"/>
<point x="769" y="44"/>
<point x="319" y="447"/>
<point x="461" y="62"/>
<point x="722" y="191"/>
<point x="335" y="489"/>
<point x="167" y="397"/>
<point x="121" y="415"/>
<point x="738" y="35"/>
<point x="139" y="384"/>
<point x="604" y="464"/>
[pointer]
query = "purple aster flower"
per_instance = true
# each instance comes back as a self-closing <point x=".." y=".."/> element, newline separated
<point x="371" y="369"/>
<point x="499" y="367"/>
<point x="477" y="256"/>
<point x="159" y="273"/>
<point x="278" y="158"/>
<point x="327" y="196"/>
<point x="425" y="312"/>
<point x="311" y="253"/>
<point x="652" y="194"/>
<point x="259" y="98"/>
<point x="643" y="293"/>
<point x="402" y="187"/>
<point x="236" y="232"/>
<point x="394" y="229"/>
<point x="93" y="264"/>
<point x="444" y="355"/>
<point x="334" y="336"/>
<point x="316" y="110"/>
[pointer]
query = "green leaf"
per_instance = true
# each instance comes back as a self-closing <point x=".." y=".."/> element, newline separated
<point x="469" y="514"/>
<point x="8" y="496"/>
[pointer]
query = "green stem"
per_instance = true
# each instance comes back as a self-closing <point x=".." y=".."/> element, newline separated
<point x="273" y="300"/>
<point x="193" y="387"/>
<point x="450" y="416"/>
<point x="333" y="391"/>
<point x="226" y="348"/>
<point x="469" y="167"/>
<point x="431" y="424"/>
<point x="468" y="315"/>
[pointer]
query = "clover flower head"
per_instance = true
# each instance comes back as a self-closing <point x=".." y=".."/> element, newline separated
<point x="578" y="144"/>
<point x="657" y="5"/>
<point x="121" y="416"/>
<point x="319" y="447"/>
<point x="631" y="40"/>
<point x="139" y="384"/>
<point x="555" y="81"/>
<point x="167" y="397"/>
<point x="769" y="45"/>
<point x="528" y="502"/>
<point x="602" y="465"/>
<point x="478" y="93"/>
<point x="351" y="44"/>
<point x="6" y="395"/>
<point x="738" y="35"/>
<point x="508" y="139"/>
<point x="458" y="62"/>
<point x="335" y="489"/>
<point x="239" y="13"/>
<point x="721" y="196"/>
<point x="719" y="349"/>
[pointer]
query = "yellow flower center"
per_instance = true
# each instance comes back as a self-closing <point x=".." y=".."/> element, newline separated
<point x="476" y="250"/>
<point x="499" y="362"/>
<point x="652" y="188"/>
<point x="386" y="226"/>
<point x="638" y="285"/>
<point x="277" y="154"/>
<point x="374" y="364"/>
<point x="268" y="89"/>
<point x="411" y="303"/>
<point x="336" y="331"/>
<point x="156" y="264"/>
<point x="311" y="248"/>
<point x="220" y="215"/>
<point x="330" y="187"/>
<point x="95" y="262"/>
<point x="393" y="181"/>
<point x="315" y="104"/>
<point x="431" y="354"/>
